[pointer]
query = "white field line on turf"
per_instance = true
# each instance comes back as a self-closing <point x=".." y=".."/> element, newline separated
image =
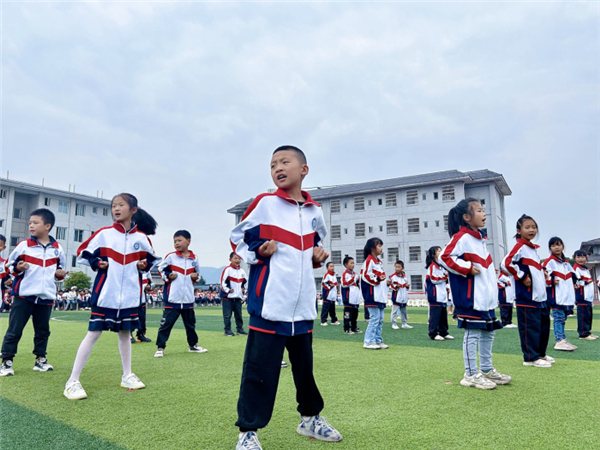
<point x="58" y="319"/>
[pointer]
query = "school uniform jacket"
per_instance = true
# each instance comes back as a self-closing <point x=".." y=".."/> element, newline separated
<point x="179" y="293"/>
<point x="561" y="295"/>
<point x="36" y="284"/>
<point x="584" y="291"/>
<point x="475" y="296"/>
<point x="235" y="279"/>
<point x="436" y="284"/>
<point x="3" y="275"/>
<point x="399" y="289"/>
<point x="281" y="290"/>
<point x="504" y="289"/>
<point x="523" y="262"/>
<point x="119" y="286"/>
<point x="329" y="285"/>
<point x="374" y="290"/>
<point x="350" y="290"/>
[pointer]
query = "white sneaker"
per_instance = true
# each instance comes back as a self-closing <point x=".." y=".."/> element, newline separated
<point x="42" y="365"/>
<point x="372" y="346"/>
<point x="336" y="323"/>
<point x="197" y="349"/>
<point x="450" y="338"/>
<point x="407" y="327"/>
<point x="248" y="441"/>
<point x="537" y="363"/>
<point x="323" y="324"/>
<point x="574" y="347"/>
<point x="511" y="325"/>
<point x="477" y="381"/>
<point x="563" y="345"/>
<point x="497" y="377"/>
<point x="395" y="327"/>
<point x="74" y="391"/>
<point x="549" y="359"/>
<point x="317" y="427"/>
<point x="591" y="337"/>
<point x="6" y="369"/>
<point x="438" y="338"/>
<point x="382" y="345"/>
<point x="159" y="353"/>
<point x="132" y="382"/>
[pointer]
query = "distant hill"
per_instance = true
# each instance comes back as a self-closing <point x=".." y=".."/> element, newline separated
<point x="211" y="275"/>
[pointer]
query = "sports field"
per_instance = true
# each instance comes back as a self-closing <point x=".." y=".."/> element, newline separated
<point x="407" y="397"/>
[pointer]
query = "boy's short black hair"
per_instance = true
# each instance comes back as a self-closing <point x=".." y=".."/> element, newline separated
<point x="232" y="254"/>
<point x="580" y="253"/>
<point x="183" y="233"/>
<point x="347" y="259"/>
<point x="399" y="262"/>
<point x="3" y="238"/>
<point x="46" y="215"/>
<point x="330" y="262"/>
<point x="299" y="153"/>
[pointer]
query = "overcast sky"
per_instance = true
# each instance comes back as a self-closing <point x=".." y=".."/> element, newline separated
<point x="182" y="104"/>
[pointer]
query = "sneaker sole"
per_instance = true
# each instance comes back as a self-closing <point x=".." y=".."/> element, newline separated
<point x="7" y="375"/>
<point x="485" y="388"/>
<point x="533" y="365"/>
<point x="42" y="370"/>
<point x="75" y="398"/>
<point x="197" y="351"/>
<point x="500" y="382"/>
<point x="308" y="434"/>
<point x="132" y="387"/>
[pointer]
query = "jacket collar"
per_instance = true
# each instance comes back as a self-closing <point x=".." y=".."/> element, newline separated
<point x="556" y="258"/>
<point x="284" y="195"/>
<point x="32" y="242"/>
<point x="121" y="229"/>
<point x="372" y="258"/>
<point x="581" y="266"/>
<point x="528" y="244"/>
<point x="329" y="272"/>
<point x="401" y="274"/>
<point x="480" y="234"/>
<point x="191" y="255"/>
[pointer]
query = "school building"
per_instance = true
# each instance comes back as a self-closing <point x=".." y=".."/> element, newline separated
<point x="77" y="216"/>
<point x="409" y="214"/>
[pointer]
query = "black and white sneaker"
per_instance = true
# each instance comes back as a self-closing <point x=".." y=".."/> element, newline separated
<point x="283" y="364"/>
<point x="143" y="338"/>
<point x="197" y="349"/>
<point x="6" y="369"/>
<point x="42" y="365"/>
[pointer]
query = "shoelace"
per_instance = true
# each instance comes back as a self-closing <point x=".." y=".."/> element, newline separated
<point x="251" y="442"/>
<point x="132" y="377"/>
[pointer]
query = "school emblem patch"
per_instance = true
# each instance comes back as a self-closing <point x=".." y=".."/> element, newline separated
<point x="314" y="224"/>
<point x="136" y="246"/>
<point x="55" y="252"/>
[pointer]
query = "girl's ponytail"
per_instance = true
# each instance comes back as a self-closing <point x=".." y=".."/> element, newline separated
<point x="144" y="221"/>
<point x="455" y="216"/>
<point x="430" y="258"/>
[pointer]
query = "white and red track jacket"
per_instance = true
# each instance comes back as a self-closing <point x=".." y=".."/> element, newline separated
<point x="179" y="293"/>
<point x="119" y="286"/>
<point x="399" y="288"/>
<point x="233" y="278"/>
<point x="523" y="262"/>
<point x="36" y="284"/>
<point x="584" y="292"/>
<point x="506" y="289"/>
<point x="281" y="291"/>
<point x="146" y="281"/>
<point x="350" y="289"/>
<point x="3" y="275"/>
<point x="329" y="285"/>
<point x="374" y="290"/>
<point x="436" y="284"/>
<point x="563" y="293"/>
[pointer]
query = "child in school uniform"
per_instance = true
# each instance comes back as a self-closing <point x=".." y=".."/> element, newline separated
<point x="523" y="263"/>
<point x="233" y="287"/>
<point x="350" y="296"/>
<point x="474" y="290"/>
<point x="35" y="264"/>
<point x="436" y="285"/>
<point x="506" y="298"/>
<point x="400" y="287"/>
<point x="560" y="291"/>
<point x="330" y="289"/>
<point x="120" y="254"/>
<point x="374" y="287"/>
<point x="5" y="281"/>
<point x="280" y="236"/>
<point x="584" y="297"/>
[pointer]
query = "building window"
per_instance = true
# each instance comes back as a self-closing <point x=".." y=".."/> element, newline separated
<point x="1" y="223"/>
<point x="390" y="200"/>
<point x="412" y="197"/>
<point x="437" y="223"/>
<point x="79" y="209"/>
<point x="370" y="230"/>
<point x="46" y="201"/>
<point x="78" y="235"/>
<point x="393" y="254"/>
<point x="62" y="207"/>
<point x="3" y="193"/>
<point x="14" y="241"/>
<point x="359" y="230"/>
<point x="61" y="233"/>
<point x="345" y="230"/>
<point x="424" y="197"/>
<point x="359" y="203"/>
<point x="18" y="212"/>
<point x="336" y="256"/>
<point x="425" y="224"/>
<point x="105" y="212"/>
<point x="369" y="202"/>
<point x="391" y="226"/>
<point x="345" y="205"/>
<point x="380" y="201"/>
<point x="360" y="256"/>
<point x="414" y="225"/>
<point x="414" y="254"/>
<point x="435" y="196"/>
<point x="335" y="206"/>
<point x="74" y="261"/>
<point x="447" y="193"/>
<point x="380" y="228"/>
<point x="336" y="231"/>
<point x="446" y="223"/>
<point x="94" y="210"/>
<point x="416" y="282"/>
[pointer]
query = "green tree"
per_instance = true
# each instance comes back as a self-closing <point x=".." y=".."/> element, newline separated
<point x="78" y="279"/>
<point x="201" y="281"/>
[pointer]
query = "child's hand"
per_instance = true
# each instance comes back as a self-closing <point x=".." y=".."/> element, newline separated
<point x="527" y="282"/>
<point x="102" y="265"/>
<point x="22" y="266"/>
<point x="389" y="282"/>
<point x="141" y="264"/>
<point x="172" y="276"/>
<point x="408" y="286"/>
<point x="474" y="271"/>
<point x="230" y="291"/>
<point x="8" y="283"/>
<point x="319" y="255"/>
<point x="382" y="277"/>
<point x="268" y="248"/>
<point x="556" y="281"/>
<point x="60" y="273"/>
<point x="194" y="276"/>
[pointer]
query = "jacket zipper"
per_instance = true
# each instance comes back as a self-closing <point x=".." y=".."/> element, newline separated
<point x="43" y="274"/>
<point x="123" y="274"/>
<point x="301" y="266"/>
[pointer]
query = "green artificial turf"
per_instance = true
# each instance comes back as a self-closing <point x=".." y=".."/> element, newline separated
<point x="407" y="397"/>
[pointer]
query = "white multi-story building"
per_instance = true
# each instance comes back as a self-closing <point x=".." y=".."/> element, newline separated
<point x="409" y="214"/>
<point x="77" y="216"/>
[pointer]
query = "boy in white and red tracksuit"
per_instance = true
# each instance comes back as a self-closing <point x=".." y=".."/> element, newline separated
<point x="35" y="264"/>
<point x="233" y="288"/>
<point x="329" y="295"/>
<point x="350" y="296"/>
<point x="399" y="296"/>
<point x="584" y="297"/>
<point x="506" y="297"/>
<point x="280" y="236"/>
<point x="436" y="283"/>
<point x="4" y="276"/>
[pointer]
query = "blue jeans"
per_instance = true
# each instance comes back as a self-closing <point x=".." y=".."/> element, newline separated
<point x="559" y="324"/>
<point x="486" y="340"/>
<point x="373" y="333"/>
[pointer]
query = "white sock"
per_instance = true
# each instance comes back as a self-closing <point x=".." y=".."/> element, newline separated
<point x="125" y="350"/>
<point x="83" y="353"/>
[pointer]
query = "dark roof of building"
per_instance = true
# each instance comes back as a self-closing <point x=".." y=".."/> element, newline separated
<point x="586" y="244"/>
<point x="62" y="193"/>
<point x="472" y="177"/>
